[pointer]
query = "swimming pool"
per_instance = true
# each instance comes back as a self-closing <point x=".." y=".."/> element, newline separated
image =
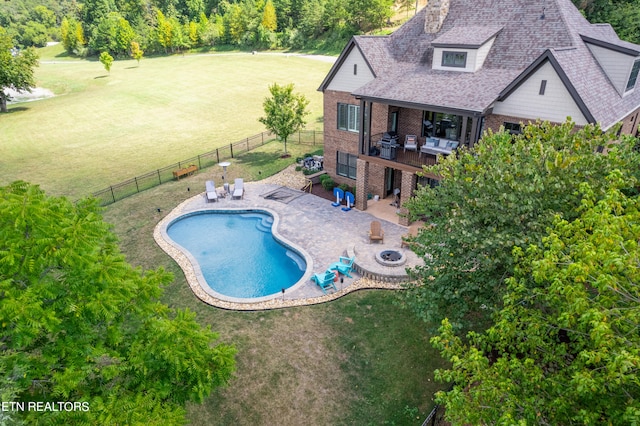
<point x="236" y="253"/>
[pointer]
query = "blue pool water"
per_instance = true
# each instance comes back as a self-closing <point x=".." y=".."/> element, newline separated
<point x="237" y="253"/>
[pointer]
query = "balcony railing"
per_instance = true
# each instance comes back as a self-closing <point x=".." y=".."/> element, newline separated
<point x="397" y="153"/>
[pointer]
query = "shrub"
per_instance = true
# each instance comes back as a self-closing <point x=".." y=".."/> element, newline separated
<point x="298" y="168"/>
<point x="328" y="183"/>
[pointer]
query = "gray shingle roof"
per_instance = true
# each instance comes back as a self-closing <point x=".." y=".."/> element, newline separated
<point x="471" y="36"/>
<point x="401" y="62"/>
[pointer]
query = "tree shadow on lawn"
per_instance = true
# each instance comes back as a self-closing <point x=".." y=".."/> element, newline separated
<point x="11" y="110"/>
<point x="259" y="159"/>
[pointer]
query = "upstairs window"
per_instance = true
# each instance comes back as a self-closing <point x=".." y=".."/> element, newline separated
<point x="633" y="76"/>
<point x="454" y="59"/>
<point x="349" y="117"/>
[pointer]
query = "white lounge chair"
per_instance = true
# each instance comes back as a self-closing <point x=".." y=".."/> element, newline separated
<point x="211" y="193"/>
<point x="238" y="188"/>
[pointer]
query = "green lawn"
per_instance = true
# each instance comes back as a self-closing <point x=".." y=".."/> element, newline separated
<point x="360" y="360"/>
<point x="103" y="128"/>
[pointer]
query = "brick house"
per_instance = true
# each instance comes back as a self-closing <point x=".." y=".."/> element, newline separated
<point x="460" y="67"/>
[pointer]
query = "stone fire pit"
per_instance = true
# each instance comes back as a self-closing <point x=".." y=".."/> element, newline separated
<point x="391" y="258"/>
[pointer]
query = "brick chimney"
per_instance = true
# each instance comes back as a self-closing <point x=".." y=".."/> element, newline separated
<point x="436" y="12"/>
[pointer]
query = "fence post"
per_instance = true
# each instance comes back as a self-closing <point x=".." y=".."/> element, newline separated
<point x="159" y="177"/>
<point x="136" y="181"/>
<point x="247" y="144"/>
<point x="231" y="149"/>
<point x="262" y="136"/>
<point x="199" y="163"/>
<point x="217" y="156"/>
<point x="113" y="197"/>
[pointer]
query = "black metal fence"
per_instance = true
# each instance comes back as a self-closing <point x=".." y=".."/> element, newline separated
<point x="157" y="177"/>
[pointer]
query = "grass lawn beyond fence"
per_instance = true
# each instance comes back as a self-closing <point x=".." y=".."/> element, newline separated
<point x="102" y="128"/>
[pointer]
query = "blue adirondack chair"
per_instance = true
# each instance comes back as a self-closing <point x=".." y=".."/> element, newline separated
<point x="339" y="193"/>
<point x="350" y="199"/>
<point x="325" y="280"/>
<point x="343" y="266"/>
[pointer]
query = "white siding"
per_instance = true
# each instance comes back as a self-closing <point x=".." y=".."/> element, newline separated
<point x="475" y="57"/>
<point x="471" y="59"/>
<point x="555" y="105"/>
<point x="616" y="65"/>
<point x="483" y="52"/>
<point x="345" y="80"/>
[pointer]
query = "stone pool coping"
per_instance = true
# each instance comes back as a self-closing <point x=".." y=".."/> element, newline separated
<point x="305" y="292"/>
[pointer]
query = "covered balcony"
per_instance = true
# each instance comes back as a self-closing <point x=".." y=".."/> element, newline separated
<point x="399" y="136"/>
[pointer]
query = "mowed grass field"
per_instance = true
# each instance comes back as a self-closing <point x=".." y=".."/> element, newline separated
<point x="102" y="128"/>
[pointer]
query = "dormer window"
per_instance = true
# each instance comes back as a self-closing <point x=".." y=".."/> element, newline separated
<point x="633" y="77"/>
<point x="464" y="48"/>
<point x="454" y="59"/>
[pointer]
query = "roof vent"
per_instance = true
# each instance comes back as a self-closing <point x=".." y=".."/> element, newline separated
<point x="437" y="11"/>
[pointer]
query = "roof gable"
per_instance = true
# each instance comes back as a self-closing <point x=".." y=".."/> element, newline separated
<point x="547" y="57"/>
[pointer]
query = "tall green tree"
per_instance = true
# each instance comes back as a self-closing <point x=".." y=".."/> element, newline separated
<point x="165" y="31"/>
<point x="94" y="11"/>
<point x="565" y="348"/>
<point x="79" y="324"/>
<point x="284" y="111"/>
<point x="269" y="19"/>
<point x="504" y="193"/>
<point x="16" y="68"/>
<point x="367" y="15"/>
<point x="113" y="34"/>
<point x="72" y="35"/>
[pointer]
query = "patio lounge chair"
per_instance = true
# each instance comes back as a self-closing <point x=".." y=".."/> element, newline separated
<point x="343" y="266"/>
<point x="410" y="143"/>
<point x="325" y="280"/>
<point x="238" y="188"/>
<point x="211" y="193"/>
<point x="376" y="233"/>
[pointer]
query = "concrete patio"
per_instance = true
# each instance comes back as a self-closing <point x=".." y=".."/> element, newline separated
<point x="312" y="226"/>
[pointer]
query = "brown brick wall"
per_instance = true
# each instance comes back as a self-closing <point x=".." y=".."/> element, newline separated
<point x="406" y="191"/>
<point x="362" y="188"/>
<point x="379" y="119"/>
<point x="630" y="123"/>
<point x="376" y="180"/>
<point x="337" y="140"/>
<point x="494" y="121"/>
